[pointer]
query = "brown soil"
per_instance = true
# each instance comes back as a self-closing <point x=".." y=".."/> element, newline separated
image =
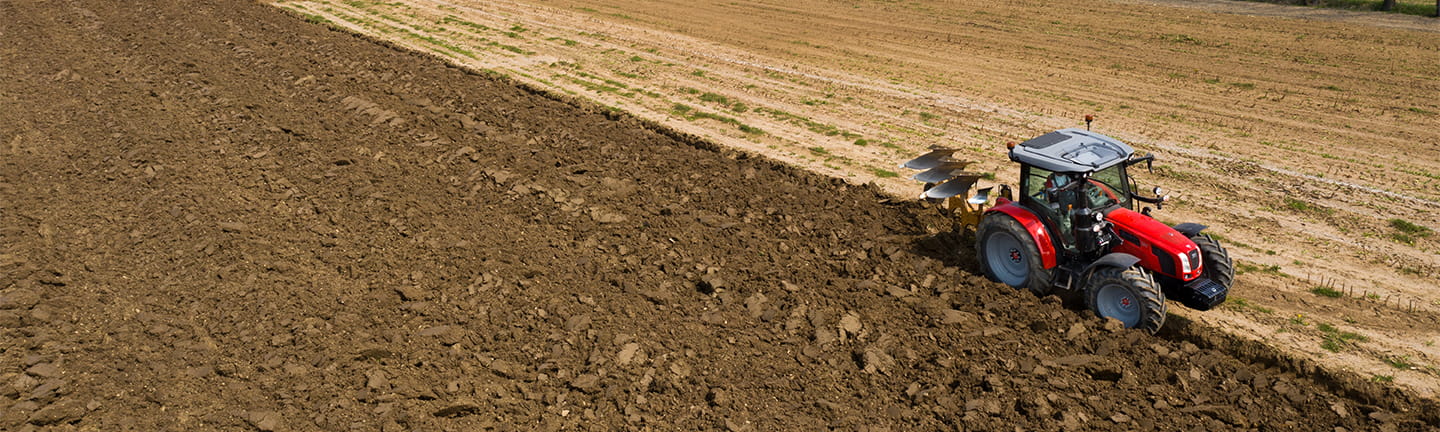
<point x="219" y="217"/>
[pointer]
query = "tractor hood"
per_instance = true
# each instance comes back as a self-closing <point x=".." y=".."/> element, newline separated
<point x="1072" y="150"/>
<point x="1144" y="236"/>
<point x="1151" y="230"/>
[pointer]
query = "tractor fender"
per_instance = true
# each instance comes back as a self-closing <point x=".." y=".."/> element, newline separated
<point x="1119" y="260"/>
<point x="1189" y="229"/>
<point x="1032" y="225"/>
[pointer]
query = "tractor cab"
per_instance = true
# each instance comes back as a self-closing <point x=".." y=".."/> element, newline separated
<point x="1072" y="179"/>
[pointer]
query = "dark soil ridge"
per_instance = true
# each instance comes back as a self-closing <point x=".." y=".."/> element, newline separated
<point x="1348" y="383"/>
<point x="216" y="217"/>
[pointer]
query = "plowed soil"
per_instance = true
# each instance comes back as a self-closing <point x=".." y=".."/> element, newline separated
<point x="216" y="216"/>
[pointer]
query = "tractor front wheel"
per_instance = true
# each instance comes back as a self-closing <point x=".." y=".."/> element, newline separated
<point x="1129" y="295"/>
<point x="1008" y="254"/>
<point x="1216" y="260"/>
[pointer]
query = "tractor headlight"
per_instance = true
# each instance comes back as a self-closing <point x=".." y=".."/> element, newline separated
<point x="1184" y="262"/>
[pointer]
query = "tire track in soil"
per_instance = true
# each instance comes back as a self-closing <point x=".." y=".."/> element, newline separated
<point x="217" y="216"/>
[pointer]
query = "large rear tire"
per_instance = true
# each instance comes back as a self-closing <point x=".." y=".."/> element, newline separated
<point x="1216" y="260"/>
<point x="1008" y="255"/>
<point x="1129" y="295"/>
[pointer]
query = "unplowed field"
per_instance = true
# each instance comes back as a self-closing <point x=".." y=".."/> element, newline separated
<point x="216" y="216"/>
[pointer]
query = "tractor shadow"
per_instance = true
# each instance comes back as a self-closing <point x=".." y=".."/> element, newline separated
<point x="956" y="248"/>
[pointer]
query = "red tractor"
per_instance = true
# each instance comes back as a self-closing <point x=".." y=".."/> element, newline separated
<point x="1075" y="227"/>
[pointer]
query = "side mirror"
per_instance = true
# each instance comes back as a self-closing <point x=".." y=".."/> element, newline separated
<point x="1159" y="191"/>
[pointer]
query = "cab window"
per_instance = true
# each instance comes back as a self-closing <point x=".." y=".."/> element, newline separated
<point x="1107" y="187"/>
<point x="1034" y="186"/>
<point x="1054" y="210"/>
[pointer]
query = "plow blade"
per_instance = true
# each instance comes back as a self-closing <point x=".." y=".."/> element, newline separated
<point x="942" y="172"/>
<point x="955" y="186"/>
<point x="930" y="160"/>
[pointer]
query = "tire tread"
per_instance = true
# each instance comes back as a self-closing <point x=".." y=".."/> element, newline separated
<point x="1152" y="299"/>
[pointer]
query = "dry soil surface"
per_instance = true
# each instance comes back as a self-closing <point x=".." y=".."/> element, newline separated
<point x="216" y="216"/>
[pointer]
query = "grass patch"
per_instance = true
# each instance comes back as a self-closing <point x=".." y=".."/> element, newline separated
<point x="1399" y="362"/>
<point x="1244" y="304"/>
<point x="712" y="97"/>
<point x="690" y="113"/>
<point x="1419" y="110"/>
<point x="813" y="126"/>
<point x="1297" y="205"/>
<point x="1326" y="292"/>
<point x="317" y="19"/>
<point x="439" y="43"/>
<point x="698" y="73"/>
<point x="1410" y="228"/>
<point x="1337" y="340"/>
<point x="454" y="20"/>
<point x="513" y="49"/>
<point x="1243" y="268"/>
<point x="881" y="173"/>
<point x="1408" y="232"/>
<point x="603" y="88"/>
<point x="720" y="99"/>
<point x="1383" y="378"/>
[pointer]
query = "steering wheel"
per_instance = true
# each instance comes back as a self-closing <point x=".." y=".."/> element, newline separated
<point x="1106" y="189"/>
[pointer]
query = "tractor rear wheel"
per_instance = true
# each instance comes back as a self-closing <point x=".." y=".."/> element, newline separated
<point x="1216" y="260"/>
<point x="1129" y="295"/>
<point x="1008" y="255"/>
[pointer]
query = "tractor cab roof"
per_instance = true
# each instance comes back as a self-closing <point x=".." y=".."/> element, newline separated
<point x="1072" y="150"/>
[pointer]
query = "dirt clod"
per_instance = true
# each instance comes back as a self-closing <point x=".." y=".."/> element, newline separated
<point x="265" y="421"/>
<point x="458" y="410"/>
<point x="588" y="383"/>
